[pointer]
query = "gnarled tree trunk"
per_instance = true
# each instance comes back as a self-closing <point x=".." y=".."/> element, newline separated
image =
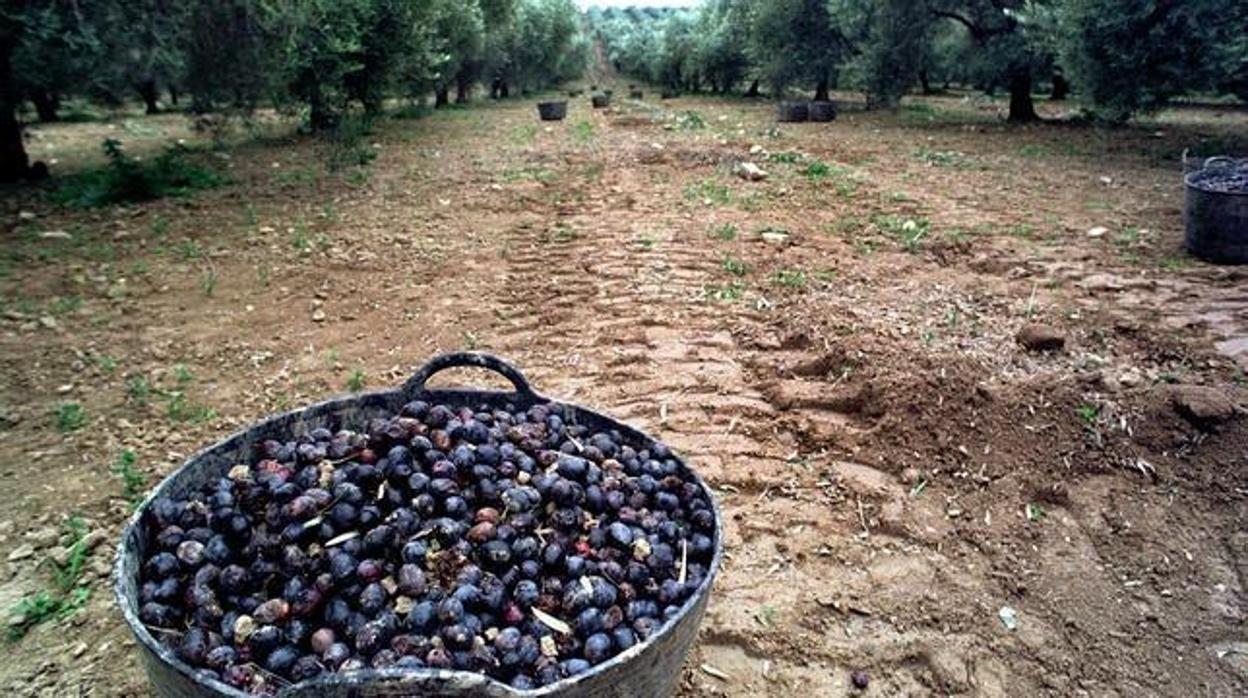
<point x="925" y="82"/>
<point x="14" y="164"/>
<point x="1021" y="107"/>
<point x="821" y="90"/>
<point x="151" y="96"/>
<point x="1061" y="88"/>
<point x="46" y="105"/>
<point x="320" y="116"/>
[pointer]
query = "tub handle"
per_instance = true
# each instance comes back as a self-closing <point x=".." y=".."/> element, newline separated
<point x="475" y="359"/>
<point x="1219" y="162"/>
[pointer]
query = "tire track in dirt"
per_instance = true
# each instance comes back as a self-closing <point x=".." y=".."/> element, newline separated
<point x="620" y="319"/>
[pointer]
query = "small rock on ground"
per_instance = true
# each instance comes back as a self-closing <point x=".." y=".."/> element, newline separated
<point x="93" y="539"/>
<point x="751" y="172"/>
<point x="1038" y="337"/>
<point x="43" y="537"/>
<point x="59" y="555"/>
<point x="1201" y="405"/>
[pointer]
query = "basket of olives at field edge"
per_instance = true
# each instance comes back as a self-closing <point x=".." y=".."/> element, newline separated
<point x="423" y="542"/>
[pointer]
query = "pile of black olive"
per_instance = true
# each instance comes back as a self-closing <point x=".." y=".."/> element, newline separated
<point x="512" y="543"/>
<point x="1224" y="180"/>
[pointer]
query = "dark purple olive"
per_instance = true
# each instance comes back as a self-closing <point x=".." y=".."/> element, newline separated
<point x="234" y="579"/>
<point x="218" y="658"/>
<point x="598" y="648"/>
<point x="158" y="615"/>
<point x="496" y="554"/>
<point x="589" y="621"/>
<point x="372" y="599"/>
<point x="439" y="658"/>
<point x="369" y="571"/>
<point x="193" y="647"/>
<point x="281" y="659"/>
<point x="421" y="617"/>
<point x="272" y="611"/>
<point x="645" y="627"/>
<point x="239" y="675"/>
<point x="161" y="565"/>
<point x="411" y="580"/>
<point x="371" y="637"/>
<point x="450" y="610"/>
<point x="336" y="655"/>
<point x="306" y="667"/>
<point x="623" y="638"/>
<point x="265" y="639"/>
<point x="456" y="636"/>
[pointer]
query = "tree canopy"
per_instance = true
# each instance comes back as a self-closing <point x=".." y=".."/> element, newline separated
<point x="321" y="57"/>
<point x="317" y="57"/>
<point x="1123" y="56"/>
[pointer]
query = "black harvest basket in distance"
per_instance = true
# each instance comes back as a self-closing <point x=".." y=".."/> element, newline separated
<point x="552" y="111"/>
<point x="650" y="669"/>
<point x="792" y="112"/>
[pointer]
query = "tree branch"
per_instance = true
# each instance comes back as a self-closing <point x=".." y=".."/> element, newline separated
<point x="971" y="26"/>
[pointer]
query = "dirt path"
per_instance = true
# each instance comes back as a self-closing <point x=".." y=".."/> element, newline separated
<point x="833" y="348"/>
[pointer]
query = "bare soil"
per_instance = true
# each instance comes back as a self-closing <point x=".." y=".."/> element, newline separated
<point x="833" y="348"/>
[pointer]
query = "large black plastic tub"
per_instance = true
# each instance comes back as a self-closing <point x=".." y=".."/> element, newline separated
<point x="1217" y="218"/>
<point x="647" y="670"/>
<point x="552" y="111"/>
<point x="792" y="112"/>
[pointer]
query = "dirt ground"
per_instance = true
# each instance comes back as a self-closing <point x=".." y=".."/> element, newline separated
<point x="909" y="492"/>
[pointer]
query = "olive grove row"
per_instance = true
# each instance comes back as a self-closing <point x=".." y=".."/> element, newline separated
<point x="1121" y="56"/>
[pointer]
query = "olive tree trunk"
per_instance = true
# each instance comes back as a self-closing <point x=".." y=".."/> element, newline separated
<point x="151" y="96"/>
<point x="1061" y="88"/>
<point x="1021" y="107"/>
<point x="46" y="105"/>
<point x="14" y="164"/>
<point x="925" y="82"/>
<point x="821" y="91"/>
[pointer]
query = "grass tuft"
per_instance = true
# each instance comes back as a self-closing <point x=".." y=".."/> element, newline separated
<point x="133" y="482"/>
<point x="70" y="417"/>
<point x="125" y="179"/>
<point x="356" y="381"/>
<point x="64" y="598"/>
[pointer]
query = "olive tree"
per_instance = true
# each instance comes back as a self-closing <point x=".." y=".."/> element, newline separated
<point x="337" y="51"/>
<point x="231" y="55"/>
<point x="1010" y="45"/>
<point x="722" y="35"/>
<point x="674" y="64"/>
<point x="536" y="44"/>
<point x="56" y="56"/>
<point x="142" y="42"/>
<point x="888" y="41"/>
<point x="1130" y="56"/>
<point x="460" y="31"/>
<point x="796" y="42"/>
